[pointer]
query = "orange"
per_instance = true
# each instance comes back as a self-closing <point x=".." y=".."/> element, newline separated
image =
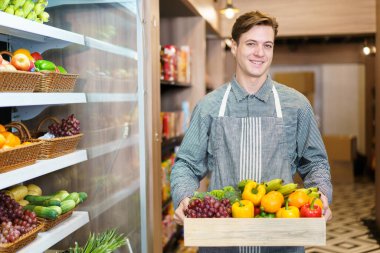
<point x="2" y="140"/>
<point x="6" y="147"/>
<point x="2" y="128"/>
<point x="298" y="199"/>
<point x="317" y="202"/>
<point x="272" y="201"/>
<point x="11" y="139"/>
<point x="25" y="52"/>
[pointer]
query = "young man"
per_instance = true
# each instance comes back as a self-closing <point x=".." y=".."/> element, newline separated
<point x="251" y="128"/>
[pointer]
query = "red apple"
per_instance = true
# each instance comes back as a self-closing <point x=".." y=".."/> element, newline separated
<point x="21" y="62"/>
<point x="36" y="56"/>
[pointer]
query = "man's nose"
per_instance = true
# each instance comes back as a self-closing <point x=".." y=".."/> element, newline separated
<point x="259" y="50"/>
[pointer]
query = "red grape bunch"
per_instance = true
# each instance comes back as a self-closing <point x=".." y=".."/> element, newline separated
<point x="209" y="207"/>
<point x="68" y="127"/>
<point x="14" y="221"/>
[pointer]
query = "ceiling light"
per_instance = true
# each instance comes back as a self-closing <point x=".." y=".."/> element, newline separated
<point x="366" y="50"/>
<point x="229" y="11"/>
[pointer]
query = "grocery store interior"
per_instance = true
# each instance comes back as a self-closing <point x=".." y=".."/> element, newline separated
<point x="96" y="97"/>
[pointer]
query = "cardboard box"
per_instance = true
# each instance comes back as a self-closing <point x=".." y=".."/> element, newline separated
<point x="301" y="81"/>
<point x="223" y="232"/>
<point x="340" y="147"/>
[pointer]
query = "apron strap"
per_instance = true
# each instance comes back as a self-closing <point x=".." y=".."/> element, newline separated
<point x="277" y="102"/>
<point x="224" y="101"/>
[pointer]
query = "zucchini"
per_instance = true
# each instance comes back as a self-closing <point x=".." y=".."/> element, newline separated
<point x="45" y="212"/>
<point x="61" y="195"/>
<point x="57" y="208"/>
<point x="83" y="196"/>
<point x="67" y="205"/>
<point x="37" y="200"/>
<point x="73" y="196"/>
<point x="52" y="202"/>
<point x="29" y="207"/>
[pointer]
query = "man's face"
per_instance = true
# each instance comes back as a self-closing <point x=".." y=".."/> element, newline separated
<point x="254" y="53"/>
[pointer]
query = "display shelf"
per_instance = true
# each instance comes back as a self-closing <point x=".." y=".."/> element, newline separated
<point x="47" y="239"/>
<point x="111" y="97"/>
<point x="114" y="199"/>
<point x="110" y="48"/>
<point x="112" y="146"/>
<point x="26" y="99"/>
<point x="21" y="32"/>
<point x="168" y="145"/>
<point x="167" y="84"/>
<point x="41" y="167"/>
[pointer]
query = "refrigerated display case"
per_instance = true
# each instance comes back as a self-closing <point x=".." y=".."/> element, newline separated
<point x="105" y="42"/>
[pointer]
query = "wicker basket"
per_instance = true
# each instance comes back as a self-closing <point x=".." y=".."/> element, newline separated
<point x="56" y="82"/>
<point x="22" y="241"/>
<point x="48" y="224"/>
<point x="59" y="146"/>
<point x="19" y="81"/>
<point x="22" y="155"/>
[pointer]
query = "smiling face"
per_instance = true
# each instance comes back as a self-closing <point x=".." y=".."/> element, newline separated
<point x="253" y="54"/>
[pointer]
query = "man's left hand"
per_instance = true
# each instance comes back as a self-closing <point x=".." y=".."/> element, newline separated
<point x="326" y="209"/>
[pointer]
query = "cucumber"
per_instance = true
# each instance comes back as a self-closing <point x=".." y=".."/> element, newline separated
<point x="52" y="202"/>
<point x="29" y="207"/>
<point x="73" y="196"/>
<point x="37" y="200"/>
<point x="57" y="208"/>
<point x="45" y="212"/>
<point x="83" y="196"/>
<point x="67" y="205"/>
<point x="61" y="195"/>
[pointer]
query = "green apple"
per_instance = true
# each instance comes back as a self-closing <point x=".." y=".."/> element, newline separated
<point x="3" y="4"/>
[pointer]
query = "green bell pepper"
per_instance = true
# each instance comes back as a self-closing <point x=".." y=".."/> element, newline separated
<point x="44" y="65"/>
<point x="62" y="70"/>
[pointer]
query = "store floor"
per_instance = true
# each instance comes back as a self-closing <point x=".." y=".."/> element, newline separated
<point x="353" y="226"/>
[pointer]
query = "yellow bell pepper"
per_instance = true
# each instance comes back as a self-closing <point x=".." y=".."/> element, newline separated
<point x="288" y="211"/>
<point x="254" y="192"/>
<point x="243" y="209"/>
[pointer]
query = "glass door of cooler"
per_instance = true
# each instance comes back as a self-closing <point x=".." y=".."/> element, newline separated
<point x="112" y="120"/>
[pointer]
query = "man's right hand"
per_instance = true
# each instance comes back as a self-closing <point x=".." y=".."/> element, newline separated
<point x="179" y="214"/>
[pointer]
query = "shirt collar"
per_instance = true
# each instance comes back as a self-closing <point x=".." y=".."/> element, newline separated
<point x="262" y="94"/>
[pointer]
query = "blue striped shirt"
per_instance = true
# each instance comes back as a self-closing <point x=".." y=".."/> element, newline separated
<point x="306" y="151"/>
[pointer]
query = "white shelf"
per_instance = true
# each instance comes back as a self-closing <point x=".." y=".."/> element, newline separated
<point x="112" y="200"/>
<point x="111" y="97"/>
<point x="47" y="239"/>
<point x="26" y="99"/>
<point x="41" y="167"/>
<point x="22" y="32"/>
<point x="111" y="48"/>
<point x="112" y="146"/>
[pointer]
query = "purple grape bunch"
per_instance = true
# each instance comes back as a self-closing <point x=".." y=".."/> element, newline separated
<point x="208" y="207"/>
<point x="14" y="221"/>
<point x="67" y="127"/>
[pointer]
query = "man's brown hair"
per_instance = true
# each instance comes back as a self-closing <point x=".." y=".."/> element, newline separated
<point x="246" y="21"/>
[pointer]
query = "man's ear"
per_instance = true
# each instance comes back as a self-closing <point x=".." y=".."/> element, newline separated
<point x="233" y="47"/>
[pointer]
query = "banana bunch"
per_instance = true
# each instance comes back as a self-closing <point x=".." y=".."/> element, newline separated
<point x="277" y="185"/>
<point x="30" y="9"/>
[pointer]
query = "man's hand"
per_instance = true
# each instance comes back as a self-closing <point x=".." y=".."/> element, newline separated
<point x="326" y="209"/>
<point x="179" y="214"/>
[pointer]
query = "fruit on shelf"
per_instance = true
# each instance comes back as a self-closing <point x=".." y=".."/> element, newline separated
<point x="67" y="127"/>
<point x="10" y="10"/>
<point x="21" y="62"/>
<point x="17" y="3"/>
<point x="4" y="4"/>
<point x="44" y="16"/>
<point x="36" y="56"/>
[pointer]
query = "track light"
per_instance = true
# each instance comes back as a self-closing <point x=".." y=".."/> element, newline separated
<point x="229" y="11"/>
<point x="367" y="50"/>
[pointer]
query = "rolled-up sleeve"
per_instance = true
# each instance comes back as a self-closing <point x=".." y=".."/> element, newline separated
<point x="313" y="165"/>
<point x="190" y="165"/>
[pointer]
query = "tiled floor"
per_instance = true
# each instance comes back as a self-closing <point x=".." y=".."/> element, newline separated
<point x="353" y="226"/>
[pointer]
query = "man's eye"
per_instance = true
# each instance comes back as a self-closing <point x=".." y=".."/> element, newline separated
<point x="269" y="46"/>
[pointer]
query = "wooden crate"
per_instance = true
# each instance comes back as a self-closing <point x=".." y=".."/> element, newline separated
<point x="215" y="232"/>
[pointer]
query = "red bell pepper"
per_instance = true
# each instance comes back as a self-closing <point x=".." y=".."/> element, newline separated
<point x="311" y="210"/>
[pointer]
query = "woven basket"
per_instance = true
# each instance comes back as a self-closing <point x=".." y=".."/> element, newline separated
<point x="22" y="241"/>
<point x="22" y="155"/>
<point x="19" y="81"/>
<point x="56" y="82"/>
<point x="48" y="224"/>
<point x="58" y="146"/>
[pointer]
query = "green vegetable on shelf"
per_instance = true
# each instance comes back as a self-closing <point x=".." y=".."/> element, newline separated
<point x="44" y="65"/>
<point x="62" y="70"/>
